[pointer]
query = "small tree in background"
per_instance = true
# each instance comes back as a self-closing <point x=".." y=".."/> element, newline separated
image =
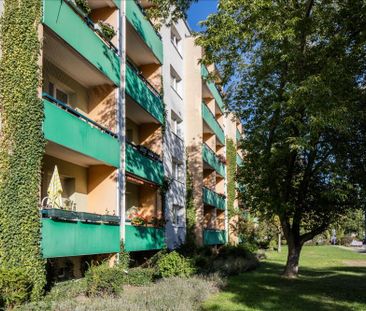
<point x="296" y="77"/>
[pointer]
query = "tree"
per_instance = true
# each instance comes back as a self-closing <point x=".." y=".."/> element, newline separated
<point x="295" y="75"/>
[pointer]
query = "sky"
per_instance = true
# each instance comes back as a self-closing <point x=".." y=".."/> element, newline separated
<point x="199" y="11"/>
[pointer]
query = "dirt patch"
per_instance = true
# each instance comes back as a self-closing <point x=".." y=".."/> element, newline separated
<point x="355" y="263"/>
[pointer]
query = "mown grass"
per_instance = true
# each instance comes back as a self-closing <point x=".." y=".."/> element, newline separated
<point x="331" y="278"/>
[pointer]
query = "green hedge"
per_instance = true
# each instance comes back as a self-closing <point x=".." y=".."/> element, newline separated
<point x="21" y="142"/>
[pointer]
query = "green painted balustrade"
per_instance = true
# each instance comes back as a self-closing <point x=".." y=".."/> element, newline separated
<point x="143" y="166"/>
<point x="144" y="238"/>
<point x="63" y="20"/>
<point x="239" y="160"/>
<point x="66" y="129"/>
<point x="76" y="238"/>
<point x="144" y="28"/>
<point x="141" y="93"/>
<point x="214" y="237"/>
<point x="238" y="135"/>
<point x="213" y="89"/>
<point x="209" y="118"/>
<point x="212" y="160"/>
<point x="213" y="199"/>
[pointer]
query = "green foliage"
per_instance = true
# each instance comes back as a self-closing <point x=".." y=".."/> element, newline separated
<point x="231" y="172"/>
<point x="124" y="257"/>
<point x="104" y="281"/>
<point x="298" y="86"/>
<point x="21" y="141"/>
<point x="174" y="264"/>
<point x="84" y="6"/>
<point x="15" y="287"/>
<point x="139" y="276"/>
<point x="190" y="209"/>
<point x="107" y="30"/>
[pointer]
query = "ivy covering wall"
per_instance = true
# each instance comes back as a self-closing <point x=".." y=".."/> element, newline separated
<point x="21" y="141"/>
<point x="231" y="173"/>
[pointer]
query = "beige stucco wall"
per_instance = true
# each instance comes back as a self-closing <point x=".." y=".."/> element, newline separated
<point x="151" y="137"/>
<point x="152" y="73"/>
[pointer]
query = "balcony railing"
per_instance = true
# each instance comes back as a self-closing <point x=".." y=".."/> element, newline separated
<point x="141" y="238"/>
<point x="144" y="164"/>
<point x="67" y="127"/>
<point x="136" y="16"/>
<point x="239" y="160"/>
<point x="63" y="18"/>
<point x="213" y="198"/>
<point x="238" y="135"/>
<point x="212" y="87"/>
<point x="211" y="121"/>
<point x="214" y="237"/>
<point x="66" y="233"/>
<point x="212" y="160"/>
<point x="143" y="93"/>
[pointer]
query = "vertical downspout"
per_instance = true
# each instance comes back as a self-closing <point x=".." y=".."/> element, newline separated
<point x="121" y="193"/>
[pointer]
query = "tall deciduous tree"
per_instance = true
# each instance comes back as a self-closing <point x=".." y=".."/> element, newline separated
<point x="296" y="76"/>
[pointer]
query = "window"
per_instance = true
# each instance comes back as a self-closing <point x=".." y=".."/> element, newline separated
<point x="175" y="81"/>
<point x="57" y="93"/>
<point x="176" y="124"/>
<point x="178" y="215"/>
<point x="177" y="170"/>
<point x="176" y="39"/>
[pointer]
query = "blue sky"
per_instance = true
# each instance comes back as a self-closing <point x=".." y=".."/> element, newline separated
<point x="199" y="11"/>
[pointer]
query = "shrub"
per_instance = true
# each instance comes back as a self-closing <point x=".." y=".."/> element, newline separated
<point x="174" y="264"/>
<point x="84" y="6"/>
<point x="104" y="281"/>
<point x="139" y="276"/>
<point x="15" y="287"/>
<point x="346" y="240"/>
<point x="107" y="30"/>
<point x="124" y="258"/>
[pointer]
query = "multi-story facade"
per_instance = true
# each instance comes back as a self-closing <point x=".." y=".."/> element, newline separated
<point x="120" y="116"/>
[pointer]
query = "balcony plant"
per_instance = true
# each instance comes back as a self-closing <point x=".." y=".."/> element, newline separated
<point x="221" y="158"/>
<point x="138" y="220"/>
<point x="84" y="6"/>
<point x="106" y="30"/>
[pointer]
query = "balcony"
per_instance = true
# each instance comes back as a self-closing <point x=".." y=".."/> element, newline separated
<point x="210" y="158"/>
<point x="66" y="127"/>
<point x="213" y="89"/>
<point x="214" y="237"/>
<point x="141" y="238"/>
<point x="210" y="120"/>
<point x="238" y="135"/>
<point x="239" y="160"/>
<point x="143" y="34"/>
<point x="78" y="33"/>
<point x="66" y="233"/>
<point x="143" y="93"/>
<point x="213" y="199"/>
<point x="144" y="165"/>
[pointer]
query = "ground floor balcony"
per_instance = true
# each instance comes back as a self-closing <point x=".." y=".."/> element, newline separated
<point x="69" y="233"/>
<point x="143" y="238"/>
<point x="68" y="128"/>
<point x="214" y="237"/>
<point x="213" y="198"/>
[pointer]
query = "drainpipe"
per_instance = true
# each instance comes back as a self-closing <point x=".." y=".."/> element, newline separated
<point x="121" y="193"/>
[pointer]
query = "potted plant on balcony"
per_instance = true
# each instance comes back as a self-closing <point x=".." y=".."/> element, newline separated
<point x="83" y="5"/>
<point x="222" y="159"/>
<point x="106" y="30"/>
<point x="138" y="220"/>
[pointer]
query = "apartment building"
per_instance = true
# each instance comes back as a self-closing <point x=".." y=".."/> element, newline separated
<point x="121" y="114"/>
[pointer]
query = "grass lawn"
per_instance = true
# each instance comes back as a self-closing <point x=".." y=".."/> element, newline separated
<point x="331" y="278"/>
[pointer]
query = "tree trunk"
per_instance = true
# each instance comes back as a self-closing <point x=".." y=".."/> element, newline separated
<point x="292" y="264"/>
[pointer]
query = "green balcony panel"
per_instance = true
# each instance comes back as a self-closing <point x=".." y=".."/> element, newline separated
<point x="63" y="20"/>
<point x="238" y="135"/>
<point x="213" y="199"/>
<point x="214" y="237"/>
<point x="117" y="3"/>
<point x="143" y="166"/>
<point x="212" y="123"/>
<point x="64" y="239"/>
<point x="144" y="28"/>
<point x="144" y="238"/>
<point x="65" y="129"/>
<point x="213" y="89"/>
<point x="212" y="160"/>
<point x="239" y="160"/>
<point x="141" y="94"/>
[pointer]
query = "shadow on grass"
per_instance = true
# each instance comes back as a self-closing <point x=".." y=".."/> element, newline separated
<point x="336" y="288"/>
